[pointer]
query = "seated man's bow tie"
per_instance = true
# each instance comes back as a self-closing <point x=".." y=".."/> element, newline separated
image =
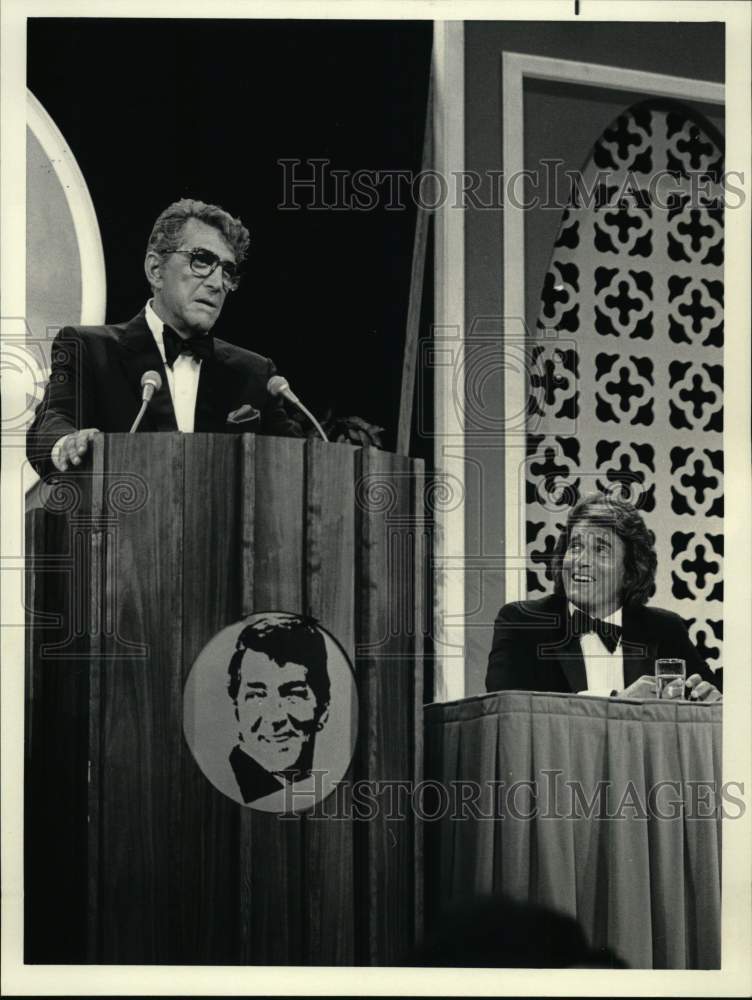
<point x="202" y="347"/>
<point x="607" y="632"/>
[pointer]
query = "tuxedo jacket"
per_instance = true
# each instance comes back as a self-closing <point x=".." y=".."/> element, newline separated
<point x="534" y="648"/>
<point x="96" y="382"/>
<point x="254" y="782"/>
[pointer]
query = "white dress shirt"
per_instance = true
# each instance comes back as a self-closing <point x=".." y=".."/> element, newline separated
<point x="605" y="671"/>
<point x="182" y="378"/>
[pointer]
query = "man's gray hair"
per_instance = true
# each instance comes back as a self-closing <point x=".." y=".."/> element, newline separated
<point x="168" y="229"/>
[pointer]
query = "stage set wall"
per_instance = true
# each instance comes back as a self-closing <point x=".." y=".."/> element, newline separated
<point x="695" y="51"/>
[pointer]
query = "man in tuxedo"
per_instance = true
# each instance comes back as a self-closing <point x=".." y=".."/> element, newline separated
<point x="279" y="685"/>
<point x="192" y="262"/>
<point x="595" y="634"/>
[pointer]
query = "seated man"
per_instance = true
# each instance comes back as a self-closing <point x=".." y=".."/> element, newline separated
<point x="192" y="261"/>
<point x="595" y="633"/>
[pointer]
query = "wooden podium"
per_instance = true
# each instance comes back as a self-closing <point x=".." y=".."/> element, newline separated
<point x="133" y="563"/>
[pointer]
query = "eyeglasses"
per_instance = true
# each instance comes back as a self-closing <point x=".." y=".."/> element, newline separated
<point x="204" y="262"/>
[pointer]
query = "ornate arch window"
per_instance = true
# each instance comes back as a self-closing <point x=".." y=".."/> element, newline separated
<point x="626" y="390"/>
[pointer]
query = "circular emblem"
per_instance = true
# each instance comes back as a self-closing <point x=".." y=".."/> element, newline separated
<point x="270" y="712"/>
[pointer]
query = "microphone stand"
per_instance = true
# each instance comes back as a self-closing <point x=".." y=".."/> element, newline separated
<point x="139" y="417"/>
<point x="151" y="382"/>
<point x="279" y="386"/>
<point x="310" y="416"/>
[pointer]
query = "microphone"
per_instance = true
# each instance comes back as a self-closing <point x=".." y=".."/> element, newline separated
<point x="279" y="386"/>
<point x="151" y="382"/>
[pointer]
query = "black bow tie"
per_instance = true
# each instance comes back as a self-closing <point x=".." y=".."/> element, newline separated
<point x="607" y="632"/>
<point x="202" y="347"/>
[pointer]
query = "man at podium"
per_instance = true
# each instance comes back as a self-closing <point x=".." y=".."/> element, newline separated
<point x="595" y="634"/>
<point x="101" y="374"/>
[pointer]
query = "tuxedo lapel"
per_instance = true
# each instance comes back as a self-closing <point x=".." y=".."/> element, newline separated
<point x="566" y="650"/>
<point x="222" y="389"/>
<point x="209" y="402"/>
<point x="573" y="663"/>
<point x="141" y="354"/>
<point x="639" y="647"/>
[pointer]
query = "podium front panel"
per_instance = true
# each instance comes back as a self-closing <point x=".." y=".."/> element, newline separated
<point x="171" y="539"/>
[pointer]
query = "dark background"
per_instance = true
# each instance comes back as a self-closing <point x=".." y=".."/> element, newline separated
<point x="155" y="110"/>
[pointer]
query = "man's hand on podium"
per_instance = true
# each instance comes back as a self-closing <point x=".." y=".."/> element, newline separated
<point x="70" y="450"/>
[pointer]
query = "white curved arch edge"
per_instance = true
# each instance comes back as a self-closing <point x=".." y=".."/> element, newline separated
<point x="63" y="162"/>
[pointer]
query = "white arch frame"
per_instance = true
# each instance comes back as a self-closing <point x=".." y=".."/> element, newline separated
<point x="81" y="207"/>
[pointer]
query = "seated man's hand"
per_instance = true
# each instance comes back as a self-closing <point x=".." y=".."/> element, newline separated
<point x="71" y="449"/>
<point x="697" y="689"/>
<point x="700" y="690"/>
<point x="644" y="687"/>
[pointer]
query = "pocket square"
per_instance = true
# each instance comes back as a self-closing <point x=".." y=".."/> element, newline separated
<point x="243" y="415"/>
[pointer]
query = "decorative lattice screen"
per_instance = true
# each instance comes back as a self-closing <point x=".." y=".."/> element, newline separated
<point x="626" y="388"/>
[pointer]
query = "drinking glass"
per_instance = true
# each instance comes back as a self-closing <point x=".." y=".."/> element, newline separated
<point x="667" y="670"/>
